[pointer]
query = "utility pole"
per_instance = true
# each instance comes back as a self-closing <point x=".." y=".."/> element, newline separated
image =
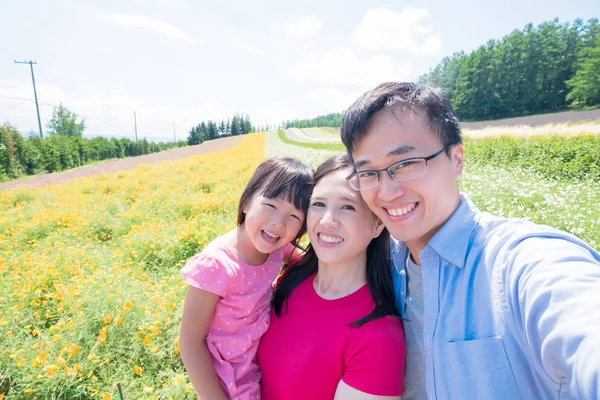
<point x="135" y="124"/>
<point x="37" y="107"/>
<point x="174" y="135"/>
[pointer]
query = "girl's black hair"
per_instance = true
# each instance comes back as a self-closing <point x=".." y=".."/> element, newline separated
<point x="379" y="270"/>
<point x="284" y="178"/>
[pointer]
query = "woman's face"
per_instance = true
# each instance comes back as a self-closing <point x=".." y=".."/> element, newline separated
<point x="340" y="225"/>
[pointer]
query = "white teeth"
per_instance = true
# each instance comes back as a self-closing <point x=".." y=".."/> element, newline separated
<point x="396" y="212"/>
<point x="330" y="239"/>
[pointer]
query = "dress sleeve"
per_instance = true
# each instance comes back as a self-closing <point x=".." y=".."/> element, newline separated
<point x="375" y="360"/>
<point x="208" y="272"/>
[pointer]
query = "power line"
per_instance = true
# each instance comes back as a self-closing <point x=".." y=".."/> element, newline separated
<point x="43" y="103"/>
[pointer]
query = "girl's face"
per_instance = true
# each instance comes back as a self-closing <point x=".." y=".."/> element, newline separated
<point x="271" y="223"/>
<point x="340" y="225"/>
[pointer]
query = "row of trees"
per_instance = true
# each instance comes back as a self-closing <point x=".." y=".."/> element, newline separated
<point x="20" y="156"/>
<point x="238" y="125"/>
<point x="535" y="70"/>
<point x="331" y="120"/>
<point x="64" y="148"/>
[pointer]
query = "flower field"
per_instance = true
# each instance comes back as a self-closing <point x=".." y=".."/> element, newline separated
<point x="91" y="294"/>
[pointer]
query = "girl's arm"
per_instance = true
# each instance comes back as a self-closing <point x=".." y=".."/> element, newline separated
<point x="345" y="392"/>
<point x="198" y="311"/>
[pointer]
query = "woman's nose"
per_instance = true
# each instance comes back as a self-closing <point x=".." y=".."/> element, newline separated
<point x="329" y="218"/>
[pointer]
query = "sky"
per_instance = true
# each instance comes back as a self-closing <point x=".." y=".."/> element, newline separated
<point x="178" y="62"/>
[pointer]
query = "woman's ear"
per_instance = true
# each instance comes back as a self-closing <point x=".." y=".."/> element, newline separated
<point x="378" y="227"/>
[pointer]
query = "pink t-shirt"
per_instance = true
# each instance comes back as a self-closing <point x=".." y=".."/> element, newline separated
<point x="241" y="314"/>
<point x="307" y="351"/>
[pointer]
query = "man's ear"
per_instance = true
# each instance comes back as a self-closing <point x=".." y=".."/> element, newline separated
<point x="458" y="159"/>
<point x="378" y="227"/>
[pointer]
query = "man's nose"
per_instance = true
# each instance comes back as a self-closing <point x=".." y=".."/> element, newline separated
<point x="388" y="188"/>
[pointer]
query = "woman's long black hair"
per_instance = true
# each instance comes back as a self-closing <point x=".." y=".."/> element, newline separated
<point x="379" y="269"/>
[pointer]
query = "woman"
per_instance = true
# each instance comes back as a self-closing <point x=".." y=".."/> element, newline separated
<point x="334" y="330"/>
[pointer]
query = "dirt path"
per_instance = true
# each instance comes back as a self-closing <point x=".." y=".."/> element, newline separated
<point x="125" y="163"/>
<point x="535" y="120"/>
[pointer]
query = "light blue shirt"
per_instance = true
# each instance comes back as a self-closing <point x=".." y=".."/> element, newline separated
<point x="511" y="310"/>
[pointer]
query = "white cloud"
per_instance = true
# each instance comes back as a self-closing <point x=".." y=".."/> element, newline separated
<point x="302" y="28"/>
<point x="343" y="67"/>
<point x="385" y="30"/>
<point x="151" y="24"/>
<point x="332" y="98"/>
<point x="248" y="48"/>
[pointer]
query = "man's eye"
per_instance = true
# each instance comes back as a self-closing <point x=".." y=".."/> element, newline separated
<point x="405" y="165"/>
<point x="367" y="175"/>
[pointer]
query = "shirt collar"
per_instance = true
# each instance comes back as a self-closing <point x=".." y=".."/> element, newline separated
<point x="452" y="241"/>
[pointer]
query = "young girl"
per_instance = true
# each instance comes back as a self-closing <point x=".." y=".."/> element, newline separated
<point x="226" y="309"/>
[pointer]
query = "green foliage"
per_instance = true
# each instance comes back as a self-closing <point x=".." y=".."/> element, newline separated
<point x="316" y="146"/>
<point x="529" y="71"/>
<point x="239" y="125"/>
<point x="330" y="120"/>
<point x="64" y="122"/>
<point x="554" y="157"/>
<point x="585" y="85"/>
<point x="20" y="156"/>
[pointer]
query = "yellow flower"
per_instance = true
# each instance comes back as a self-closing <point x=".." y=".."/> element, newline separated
<point x="51" y="370"/>
<point x="73" y="349"/>
<point x="107" y="318"/>
<point x="102" y="335"/>
<point x="107" y="396"/>
<point x="147" y="340"/>
<point x="138" y="370"/>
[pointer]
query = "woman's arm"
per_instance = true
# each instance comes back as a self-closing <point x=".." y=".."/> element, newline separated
<point x="198" y="311"/>
<point x="345" y="392"/>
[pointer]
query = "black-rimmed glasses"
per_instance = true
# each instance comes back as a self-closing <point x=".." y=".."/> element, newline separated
<point x="403" y="170"/>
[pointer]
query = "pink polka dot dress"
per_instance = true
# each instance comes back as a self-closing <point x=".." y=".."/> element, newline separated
<point x="241" y="314"/>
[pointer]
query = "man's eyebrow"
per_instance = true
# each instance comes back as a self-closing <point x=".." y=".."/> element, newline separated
<point x="402" y="149"/>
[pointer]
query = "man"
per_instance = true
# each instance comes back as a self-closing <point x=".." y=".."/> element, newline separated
<point x="493" y="308"/>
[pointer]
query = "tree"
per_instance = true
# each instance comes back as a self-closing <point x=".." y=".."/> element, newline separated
<point x="64" y="122"/>
<point x="585" y="85"/>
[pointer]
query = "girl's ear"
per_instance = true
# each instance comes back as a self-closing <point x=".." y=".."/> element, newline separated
<point x="378" y="227"/>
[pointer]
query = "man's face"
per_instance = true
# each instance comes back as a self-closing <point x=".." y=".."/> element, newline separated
<point x="414" y="210"/>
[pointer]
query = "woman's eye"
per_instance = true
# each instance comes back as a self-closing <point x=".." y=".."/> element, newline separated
<point x="318" y="204"/>
<point x="348" y="207"/>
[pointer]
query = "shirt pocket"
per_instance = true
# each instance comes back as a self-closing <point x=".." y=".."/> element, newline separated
<point x="479" y="369"/>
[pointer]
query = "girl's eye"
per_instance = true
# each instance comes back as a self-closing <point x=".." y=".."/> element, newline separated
<point x="297" y="217"/>
<point x="348" y="207"/>
<point x="269" y="205"/>
<point x="318" y="204"/>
